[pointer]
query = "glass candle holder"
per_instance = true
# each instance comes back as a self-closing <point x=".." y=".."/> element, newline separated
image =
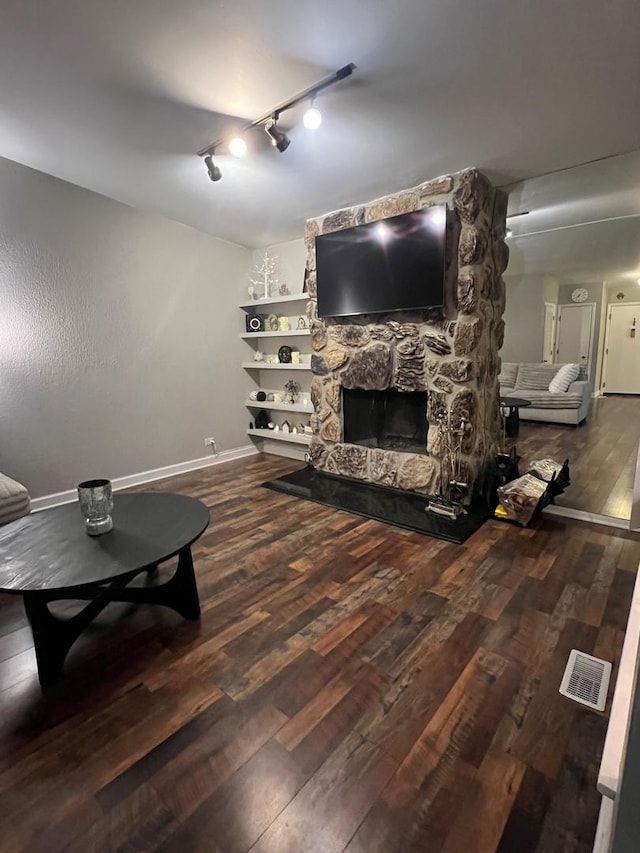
<point x="96" y="505"/>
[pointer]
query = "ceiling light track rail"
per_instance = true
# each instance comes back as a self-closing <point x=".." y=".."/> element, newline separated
<point x="269" y="120"/>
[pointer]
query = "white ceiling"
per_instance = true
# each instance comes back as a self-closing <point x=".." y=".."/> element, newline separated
<point x="118" y="96"/>
<point x="583" y="223"/>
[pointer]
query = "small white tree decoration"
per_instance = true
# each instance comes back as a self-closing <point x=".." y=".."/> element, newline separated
<point x="265" y="275"/>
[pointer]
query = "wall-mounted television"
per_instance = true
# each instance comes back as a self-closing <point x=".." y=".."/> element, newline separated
<point x="396" y="264"/>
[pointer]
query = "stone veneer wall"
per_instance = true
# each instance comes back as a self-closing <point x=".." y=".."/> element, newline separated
<point x="452" y="352"/>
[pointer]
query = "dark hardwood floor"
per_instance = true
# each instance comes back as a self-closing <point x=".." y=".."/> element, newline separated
<point x="602" y="454"/>
<point x="350" y="687"/>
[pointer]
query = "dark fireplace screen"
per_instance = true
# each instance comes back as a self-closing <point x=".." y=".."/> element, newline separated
<point x="391" y="420"/>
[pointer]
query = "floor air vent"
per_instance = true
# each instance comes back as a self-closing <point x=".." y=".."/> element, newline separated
<point x="586" y="680"/>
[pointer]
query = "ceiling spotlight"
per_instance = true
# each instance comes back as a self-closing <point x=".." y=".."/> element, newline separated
<point x="312" y="119"/>
<point x="237" y="147"/>
<point x="508" y="232"/>
<point x="279" y="138"/>
<point x="214" y="171"/>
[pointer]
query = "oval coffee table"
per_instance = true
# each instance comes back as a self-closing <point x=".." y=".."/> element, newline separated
<point x="47" y="556"/>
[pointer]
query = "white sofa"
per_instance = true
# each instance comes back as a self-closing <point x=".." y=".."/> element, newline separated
<point x="531" y="382"/>
<point x="14" y="500"/>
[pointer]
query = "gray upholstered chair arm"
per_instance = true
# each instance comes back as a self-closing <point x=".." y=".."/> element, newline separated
<point x="581" y="387"/>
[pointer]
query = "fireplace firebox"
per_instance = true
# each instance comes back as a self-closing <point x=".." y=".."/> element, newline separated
<point x="391" y="420"/>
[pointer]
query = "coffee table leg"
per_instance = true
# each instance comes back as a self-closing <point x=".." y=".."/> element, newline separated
<point x="53" y="637"/>
<point x="180" y="592"/>
<point x="50" y="650"/>
<point x="513" y="422"/>
<point x="185" y="591"/>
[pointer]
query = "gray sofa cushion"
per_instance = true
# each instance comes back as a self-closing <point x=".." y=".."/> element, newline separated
<point x="536" y="377"/>
<point x="549" y="400"/>
<point x="508" y="374"/>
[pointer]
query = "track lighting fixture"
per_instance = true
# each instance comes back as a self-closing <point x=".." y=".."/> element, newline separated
<point x="279" y="139"/>
<point x="214" y="171"/>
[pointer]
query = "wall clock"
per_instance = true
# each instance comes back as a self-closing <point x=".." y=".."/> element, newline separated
<point x="580" y="294"/>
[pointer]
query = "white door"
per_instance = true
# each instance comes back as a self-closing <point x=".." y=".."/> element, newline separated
<point x="549" y="332"/>
<point x="622" y="350"/>
<point x="575" y="333"/>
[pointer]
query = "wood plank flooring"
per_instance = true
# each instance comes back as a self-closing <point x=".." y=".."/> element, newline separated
<point x="602" y="454"/>
<point x="350" y="687"/>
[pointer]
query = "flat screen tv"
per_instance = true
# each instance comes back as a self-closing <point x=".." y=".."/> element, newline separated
<point x="395" y="264"/>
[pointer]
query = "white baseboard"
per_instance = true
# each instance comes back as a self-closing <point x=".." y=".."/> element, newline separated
<point x="593" y="517"/>
<point x="604" y="830"/>
<point x="71" y="495"/>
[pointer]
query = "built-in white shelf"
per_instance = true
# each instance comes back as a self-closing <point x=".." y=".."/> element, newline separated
<point x="291" y="333"/>
<point x="262" y="365"/>
<point x="279" y="305"/>
<point x="274" y="300"/>
<point x="293" y="438"/>
<point x="280" y="407"/>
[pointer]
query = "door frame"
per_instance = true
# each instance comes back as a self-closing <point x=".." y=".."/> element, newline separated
<point x="554" y="331"/>
<point x="594" y="308"/>
<point x="606" y="337"/>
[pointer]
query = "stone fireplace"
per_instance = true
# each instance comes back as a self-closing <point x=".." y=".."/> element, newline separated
<point x="383" y="383"/>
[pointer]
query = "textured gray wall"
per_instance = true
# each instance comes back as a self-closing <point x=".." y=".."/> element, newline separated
<point x="119" y="347"/>
<point x="523" y="318"/>
<point x="631" y="293"/>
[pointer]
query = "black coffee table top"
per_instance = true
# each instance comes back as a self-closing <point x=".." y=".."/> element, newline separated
<point x="515" y="402"/>
<point x="50" y="550"/>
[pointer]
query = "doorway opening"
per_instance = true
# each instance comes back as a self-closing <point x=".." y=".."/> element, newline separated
<point x="621" y="365"/>
<point x="575" y="335"/>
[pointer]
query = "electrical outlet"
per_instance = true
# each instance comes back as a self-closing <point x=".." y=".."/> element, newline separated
<point x="211" y="442"/>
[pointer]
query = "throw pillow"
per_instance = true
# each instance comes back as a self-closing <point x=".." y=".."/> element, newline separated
<point x="567" y="374"/>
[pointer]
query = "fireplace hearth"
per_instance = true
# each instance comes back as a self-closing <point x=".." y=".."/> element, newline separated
<point x="389" y="420"/>
<point x="392" y="506"/>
